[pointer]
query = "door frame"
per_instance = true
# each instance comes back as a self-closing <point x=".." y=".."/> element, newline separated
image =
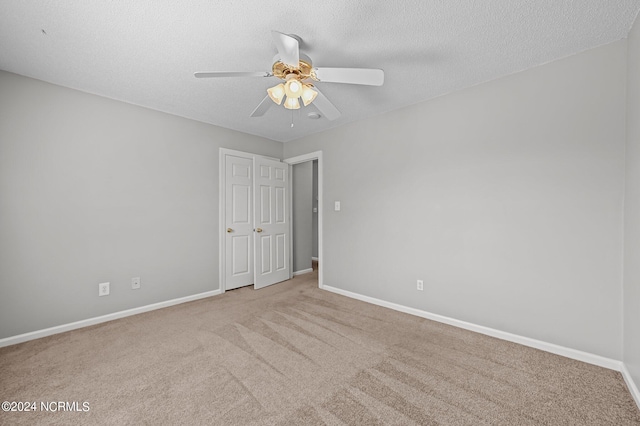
<point x="222" y="256"/>
<point x="316" y="155"/>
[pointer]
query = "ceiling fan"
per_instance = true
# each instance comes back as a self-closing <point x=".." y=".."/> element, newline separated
<point x="298" y="75"/>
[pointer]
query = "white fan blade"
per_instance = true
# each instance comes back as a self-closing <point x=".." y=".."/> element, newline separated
<point x="325" y="106"/>
<point x="262" y="107"/>
<point x="368" y="76"/>
<point x="231" y="74"/>
<point x="287" y="48"/>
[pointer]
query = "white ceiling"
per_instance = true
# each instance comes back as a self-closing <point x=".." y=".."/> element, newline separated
<point x="146" y="51"/>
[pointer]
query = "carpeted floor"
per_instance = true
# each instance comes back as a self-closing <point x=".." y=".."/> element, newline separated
<point x="292" y="354"/>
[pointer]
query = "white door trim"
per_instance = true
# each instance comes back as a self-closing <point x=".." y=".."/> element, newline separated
<point x="317" y="155"/>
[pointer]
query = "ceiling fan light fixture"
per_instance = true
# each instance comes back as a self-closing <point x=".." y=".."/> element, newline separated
<point x="276" y="93"/>
<point x="292" y="103"/>
<point x="293" y="88"/>
<point x="308" y="94"/>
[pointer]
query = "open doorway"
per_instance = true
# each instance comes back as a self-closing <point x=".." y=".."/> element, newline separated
<point x="314" y="216"/>
<point x="308" y="167"/>
<point x="304" y="181"/>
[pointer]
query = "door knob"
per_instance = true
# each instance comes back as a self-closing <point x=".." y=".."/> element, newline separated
<point x="258" y="229"/>
<point x="229" y="230"/>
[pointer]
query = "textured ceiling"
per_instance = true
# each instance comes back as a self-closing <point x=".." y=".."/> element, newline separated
<point x="146" y="51"/>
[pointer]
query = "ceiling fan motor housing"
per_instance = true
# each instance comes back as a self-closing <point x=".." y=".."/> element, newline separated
<point x="303" y="71"/>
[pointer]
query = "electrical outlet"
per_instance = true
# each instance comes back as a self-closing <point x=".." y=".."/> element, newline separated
<point x="103" y="289"/>
<point x="420" y="285"/>
<point x="135" y="283"/>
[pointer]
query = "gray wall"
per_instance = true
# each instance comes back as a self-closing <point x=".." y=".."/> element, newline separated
<point x="302" y="216"/>
<point x="632" y="211"/>
<point x="314" y="223"/>
<point x="93" y="190"/>
<point x="506" y="198"/>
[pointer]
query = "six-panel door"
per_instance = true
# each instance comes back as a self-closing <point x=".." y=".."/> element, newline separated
<point x="239" y="222"/>
<point x="271" y="222"/>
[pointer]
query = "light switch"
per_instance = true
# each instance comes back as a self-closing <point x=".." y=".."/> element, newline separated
<point x="337" y="206"/>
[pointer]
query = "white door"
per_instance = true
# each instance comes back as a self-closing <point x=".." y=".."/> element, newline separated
<point x="271" y="221"/>
<point x="239" y="221"/>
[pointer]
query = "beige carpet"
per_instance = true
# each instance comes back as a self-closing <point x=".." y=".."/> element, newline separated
<point x="292" y="354"/>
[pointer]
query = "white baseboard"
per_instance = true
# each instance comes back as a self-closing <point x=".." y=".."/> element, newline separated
<point x="633" y="389"/>
<point x="601" y="361"/>
<point x="13" y="340"/>
<point x="304" y="271"/>
<point x="315" y="258"/>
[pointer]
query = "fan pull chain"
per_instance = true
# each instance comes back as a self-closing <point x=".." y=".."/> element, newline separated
<point x="292" y="119"/>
